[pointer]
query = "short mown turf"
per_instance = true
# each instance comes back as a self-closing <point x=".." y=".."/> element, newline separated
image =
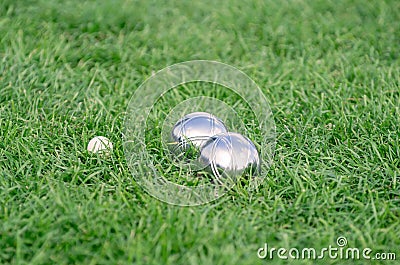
<point x="330" y="70"/>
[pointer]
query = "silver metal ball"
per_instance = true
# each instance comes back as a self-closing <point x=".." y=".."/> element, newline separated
<point x="230" y="155"/>
<point x="195" y="129"/>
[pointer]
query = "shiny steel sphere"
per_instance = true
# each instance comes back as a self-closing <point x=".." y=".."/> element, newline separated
<point x="195" y="129"/>
<point x="230" y="155"/>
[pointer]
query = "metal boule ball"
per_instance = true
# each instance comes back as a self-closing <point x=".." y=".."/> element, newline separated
<point x="194" y="129"/>
<point x="230" y="155"/>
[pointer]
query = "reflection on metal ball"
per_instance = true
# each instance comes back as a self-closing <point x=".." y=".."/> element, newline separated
<point x="230" y="155"/>
<point x="195" y="129"/>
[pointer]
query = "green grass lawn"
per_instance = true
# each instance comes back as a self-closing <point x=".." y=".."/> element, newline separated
<point x="329" y="69"/>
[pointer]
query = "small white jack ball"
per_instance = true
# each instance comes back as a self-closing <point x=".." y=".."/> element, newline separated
<point x="100" y="144"/>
